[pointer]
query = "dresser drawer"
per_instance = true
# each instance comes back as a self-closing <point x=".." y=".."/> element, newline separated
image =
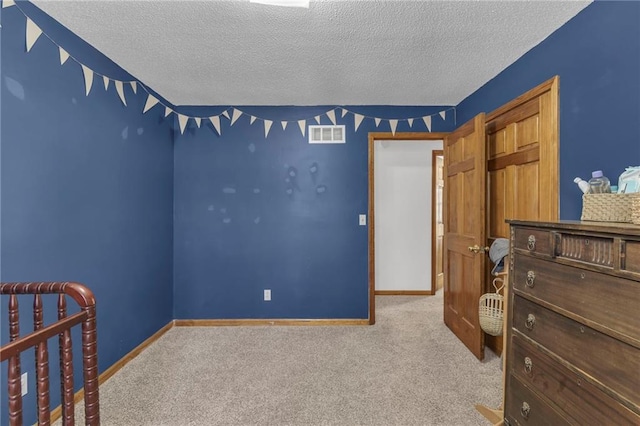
<point x="524" y="407"/>
<point x="586" y="248"/>
<point x="533" y="241"/>
<point x="612" y="362"/>
<point x="569" y="391"/>
<point x="609" y="301"/>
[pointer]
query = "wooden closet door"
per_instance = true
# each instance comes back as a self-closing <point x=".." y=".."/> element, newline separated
<point x="522" y="169"/>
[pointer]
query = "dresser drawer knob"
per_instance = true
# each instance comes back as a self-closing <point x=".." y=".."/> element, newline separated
<point x="528" y="365"/>
<point x="530" y="322"/>
<point x="531" y="277"/>
<point x="525" y="410"/>
<point x="531" y="242"/>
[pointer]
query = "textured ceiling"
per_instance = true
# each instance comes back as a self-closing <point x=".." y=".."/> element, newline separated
<point x="379" y="52"/>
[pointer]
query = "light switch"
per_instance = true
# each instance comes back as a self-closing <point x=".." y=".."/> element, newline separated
<point x="363" y="220"/>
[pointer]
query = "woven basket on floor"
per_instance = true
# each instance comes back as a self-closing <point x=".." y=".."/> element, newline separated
<point x="611" y="208"/>
<point x="491" y="310"/>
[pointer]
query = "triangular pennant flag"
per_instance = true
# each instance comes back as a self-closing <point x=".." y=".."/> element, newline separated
<point x="393" y="124"/>
<point x="303" y="125"/>
<point x="63" y="55"/>
<point x="267" y="126"/>
<point x="33" y="32"/>
<point x="134" y="86"/>
<point x="344" y="112"/>
<point x="88" y="79"/>
<point x="443" y="114"/>
<point x="252" y="119"/>
<point x="151" y="101"/>
<point x="332" y="116"/>
<point x="7" y="3"/>
<point x="167" y="111"/>
<point x="120" y="90"/>
<point x="197" y="120"/>
<point x="215" y="120"/>
<point x="377" y="120"/>
<point x="226" y="113"/>
<point x="410" y="121"/>
<point x="357" y="119"/>
<point x="106" y="80"/>
<point x="236" y="114"/>
<point x="427" y="122"/>
<point x="317" y="117"/>
<point x="284" y="125"/>
<point x="182" y="119"/>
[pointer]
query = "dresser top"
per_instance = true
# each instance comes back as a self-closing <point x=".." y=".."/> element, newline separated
<point x="602" y="227"/>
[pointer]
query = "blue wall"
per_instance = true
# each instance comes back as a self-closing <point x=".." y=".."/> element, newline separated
<point x="276" y="213"/>
<point x="86" y="192"/>
<point x="597" y="56"/>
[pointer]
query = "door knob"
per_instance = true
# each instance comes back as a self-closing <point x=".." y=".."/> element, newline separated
<point x="477" y="249"/>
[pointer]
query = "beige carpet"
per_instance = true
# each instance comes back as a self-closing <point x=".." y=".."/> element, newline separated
<point x="408" y="369"/>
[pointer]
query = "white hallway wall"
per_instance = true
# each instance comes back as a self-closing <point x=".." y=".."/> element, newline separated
<point x="403" y="184"/>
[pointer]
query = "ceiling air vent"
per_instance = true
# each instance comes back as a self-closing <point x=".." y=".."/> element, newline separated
<point x="327" y="134"/>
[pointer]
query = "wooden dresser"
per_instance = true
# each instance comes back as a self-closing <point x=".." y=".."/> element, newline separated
<point x="573" y="334"/>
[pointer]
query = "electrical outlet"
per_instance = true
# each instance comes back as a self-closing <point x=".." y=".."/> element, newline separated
<point x="24" y="382"/>
<point x="362" y="220"/>
<point x="267" y="295"/>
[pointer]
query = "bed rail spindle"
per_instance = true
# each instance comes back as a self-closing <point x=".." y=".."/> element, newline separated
<point x="13" y="366"/>
<point x="42" y="365"/>
<point x="66" y="367"/>
<point x="90" y="363"/>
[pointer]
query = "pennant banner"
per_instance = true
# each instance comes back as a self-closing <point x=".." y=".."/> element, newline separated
<point x="151" y="101"/>
<point x="120" y="90"/>
<point x="182" y="119"/>
<point x="236" y="114"/>
<point x="393" y="124"/>
<point x="215" y="120"/>
<point x="88" y="79"/>
<point x="63" y="56"/>
<point x="427" y="122"/>
<point x="33" y="33"/>
<point x="357" y="119"/>
<point x="332" y="116"/>
<point x="267" y="126"/>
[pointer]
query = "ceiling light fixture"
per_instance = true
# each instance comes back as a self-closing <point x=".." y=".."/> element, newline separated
<point x="286" y="3"/>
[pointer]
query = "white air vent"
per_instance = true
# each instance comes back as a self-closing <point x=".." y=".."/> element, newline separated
<point x="327" y="134"/>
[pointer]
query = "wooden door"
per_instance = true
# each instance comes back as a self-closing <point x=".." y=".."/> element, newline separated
<point x="464" y="230"/>
<point x="522" y="170"/>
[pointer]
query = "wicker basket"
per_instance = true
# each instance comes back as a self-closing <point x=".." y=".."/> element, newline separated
<point x="491" y="310"/>
<point x="611" y="207"/>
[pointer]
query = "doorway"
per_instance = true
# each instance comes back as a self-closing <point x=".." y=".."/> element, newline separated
<point x="392" y="259"/>
<point x="437" y="215"/>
